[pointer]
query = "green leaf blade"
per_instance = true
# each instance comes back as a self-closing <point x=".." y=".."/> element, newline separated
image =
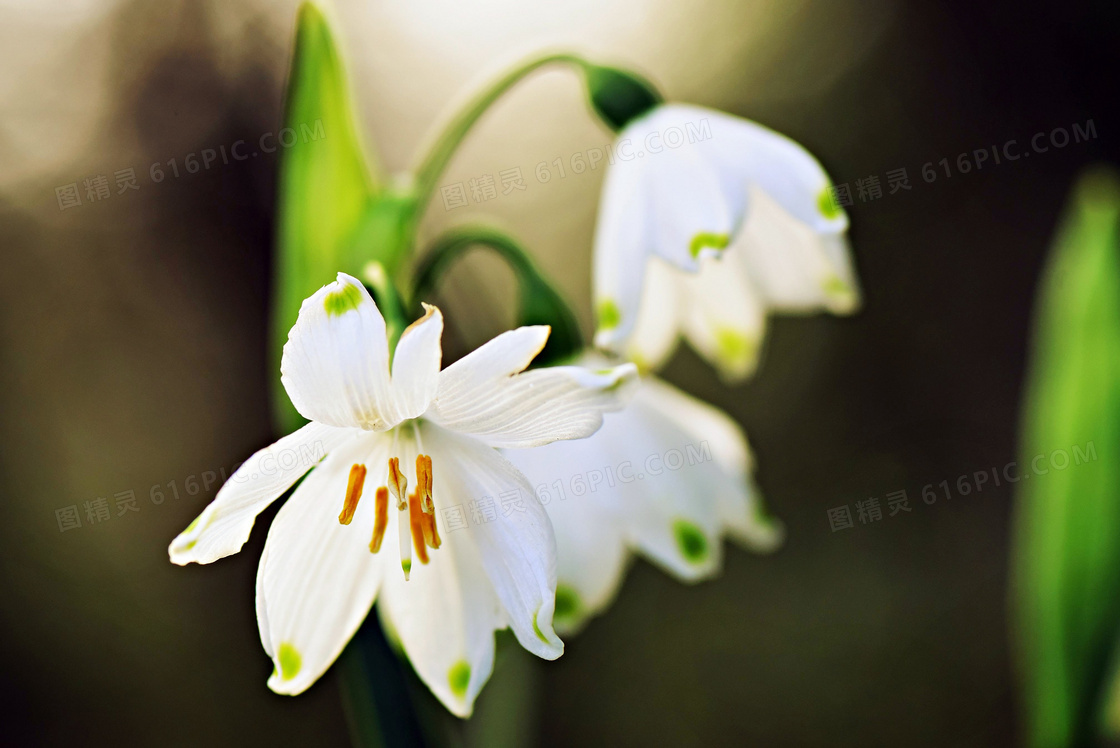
<point x="326" y="187"/>
<point x="1067" y="564"/>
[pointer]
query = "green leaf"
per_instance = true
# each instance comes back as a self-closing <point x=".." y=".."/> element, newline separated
<point x="540" y="303"/>
<point x="619" y="96"/>
<point x="1066" y="590"/>
<point x="375" y="692"/>
<point x="326" y="188"/>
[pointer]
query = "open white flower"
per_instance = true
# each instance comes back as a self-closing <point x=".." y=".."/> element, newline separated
<point x="746" y="212"/>
<point x="329" y="553"/>
<point x="668" y="477"/>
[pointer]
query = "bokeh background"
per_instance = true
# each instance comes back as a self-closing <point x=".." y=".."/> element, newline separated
<point x="133" y="331"/>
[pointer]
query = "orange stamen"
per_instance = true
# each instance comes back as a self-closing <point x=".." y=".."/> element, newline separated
<point x="416" y="521"/>
<point x="353" y="493"/>
<point x="382" y="504"/>
<point x="424" y="482"/>
<point x="431" y="534"/>
<point x="398" y="484"/>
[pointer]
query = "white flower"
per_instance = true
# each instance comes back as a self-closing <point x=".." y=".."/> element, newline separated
<point x="338" y="543"/>
<point x="667" y="477"/>
<point x="748" y="213"/>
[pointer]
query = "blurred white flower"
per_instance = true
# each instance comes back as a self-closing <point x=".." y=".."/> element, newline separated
<point x="320" y="573"/>
<point x="747" y="214"/>
<point x="668" y="477"/>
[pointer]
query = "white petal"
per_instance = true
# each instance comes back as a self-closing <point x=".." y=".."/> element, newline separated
<point x="748" y="153"/>
<point x="502" y="356"/>
<point x="794" y="267"/>
<point x="416" y="363"/>
<point x="591" y="547"/>
<point x="224" y="525"/>
<point x="317" y="577"/>
<point x="444" y="616"/>
<point x="335" y="366"/>
<point x="712" y="430"/>
<point x="262" y="609"/>
<point x="665" y="490"/>
<point x="725" y="319"/>
<point x="623" y="236"/>
<point x="669" y="201"/>
<point x="688" y="208"/>
<point x="668" y="476"/>
<point x="655" y="336"/>
<point x="693" y="209"/>
<point x="517" y="548"/>
<point x="483" y="394"/>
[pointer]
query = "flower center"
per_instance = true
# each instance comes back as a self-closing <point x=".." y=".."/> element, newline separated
<point x="417" y="527"/>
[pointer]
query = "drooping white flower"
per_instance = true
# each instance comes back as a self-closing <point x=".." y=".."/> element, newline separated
<point x="668" y="477"/>
<point x="339" y="543"/>
<point x="746" y="213"/>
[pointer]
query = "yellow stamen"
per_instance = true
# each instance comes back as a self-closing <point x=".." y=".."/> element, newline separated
<point x="424" y="482"/>
<point x="353" y="493"/>
<point x="416" y="522"/>
<point x="398" y="484"/>
<point x="382" y="521"/>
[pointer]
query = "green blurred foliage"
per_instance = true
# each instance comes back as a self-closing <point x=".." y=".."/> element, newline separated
<point x="1067" y="584"/>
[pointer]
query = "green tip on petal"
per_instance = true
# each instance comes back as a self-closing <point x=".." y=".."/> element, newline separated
<point x="342" y="301"/>
<point x="842" y="297"/>
<point x="567" y="604"/>
<point x="734" y="346"/>
<point x="193" y="524"/>
<point x="691" y="541"/>
<point x="827" y="205"/>
<point x="537" y="629"/>
<point x="406" y="565"/>
<point x="833" y="286"/>
<point x="459" y="677"/>
<point x="290" y="661"/>
<point x="707" y="239"/>
<point x="608" y="314"/>
<point x="644" y="366"/>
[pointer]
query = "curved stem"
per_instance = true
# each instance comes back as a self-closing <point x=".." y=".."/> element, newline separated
<point x="443" y="147"/>
<point x="448" y="247"/>
<point x="540" y="303"/>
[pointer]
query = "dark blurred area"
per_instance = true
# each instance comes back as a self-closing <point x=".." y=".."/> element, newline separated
<point x="133" y="333"/>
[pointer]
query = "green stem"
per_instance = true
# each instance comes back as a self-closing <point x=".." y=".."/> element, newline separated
<point x="540" y="303"/>
<point x="389" y="301"/>
<point x="441" y="150"/>
<point x="451" y="245"/>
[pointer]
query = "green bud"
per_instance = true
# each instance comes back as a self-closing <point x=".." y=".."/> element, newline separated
<point x="619" y="97"/>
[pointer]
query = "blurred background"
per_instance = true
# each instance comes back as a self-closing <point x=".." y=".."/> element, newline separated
<point x="133" y="351"/>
